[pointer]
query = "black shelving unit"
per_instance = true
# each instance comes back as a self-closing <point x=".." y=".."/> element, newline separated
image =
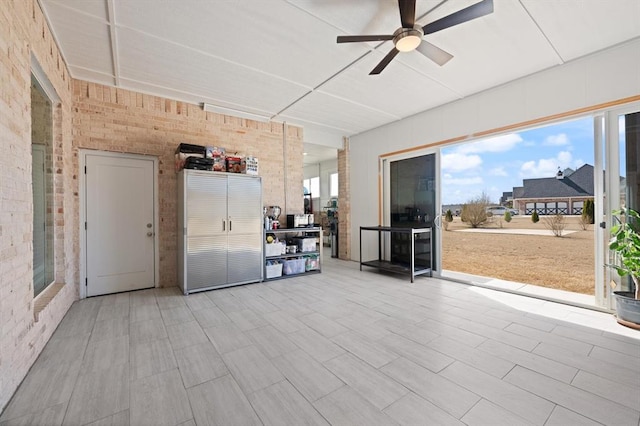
<point x="416" y="262"/>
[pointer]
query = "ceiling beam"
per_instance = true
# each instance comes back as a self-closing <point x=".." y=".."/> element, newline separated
<point x="111" y="22"/>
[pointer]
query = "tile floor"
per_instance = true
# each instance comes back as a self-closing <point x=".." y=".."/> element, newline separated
<point x="343" y="347"/>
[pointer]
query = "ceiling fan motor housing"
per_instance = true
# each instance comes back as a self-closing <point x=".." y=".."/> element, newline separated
<point x="407" y="39"/>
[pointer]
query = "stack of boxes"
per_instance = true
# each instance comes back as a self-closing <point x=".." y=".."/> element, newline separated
<point x="213" y="158"/>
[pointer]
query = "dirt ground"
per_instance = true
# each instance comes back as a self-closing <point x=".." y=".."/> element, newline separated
<point x="565" y="263"/>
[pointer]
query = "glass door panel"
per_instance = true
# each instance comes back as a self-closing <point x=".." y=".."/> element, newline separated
<point x="621" y="190"/>
<point x="413" y="203"/>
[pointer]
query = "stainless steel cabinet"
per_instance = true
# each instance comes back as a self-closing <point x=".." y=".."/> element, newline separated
<point x="219" y="230"/>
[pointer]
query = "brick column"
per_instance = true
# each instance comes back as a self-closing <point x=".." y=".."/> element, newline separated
<point x="344" y="203"/>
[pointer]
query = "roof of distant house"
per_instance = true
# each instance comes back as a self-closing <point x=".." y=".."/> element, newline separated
<point x="578" y="183"/>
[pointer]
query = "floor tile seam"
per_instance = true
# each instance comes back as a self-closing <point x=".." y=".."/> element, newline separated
<point x="110" y="415"/>
<point x="193" y="415"/>
<point x="518" y="363"/>
<point x="379" y="370"/>
<point x="595" y="371"/>
<point x="78" y="373"/>
<point x="577" y="389"/>
<point x="461" y="329"/>
<point x="434" y="402"/>
<point x="612" y="349"/>
<point x="502" y="405"/>
<point x="300" y="391"/>
<point x="553" y="342"/>
<point x="30" y="412"/>
<point x="633" y="368"/>
<point x="637" y="409"/>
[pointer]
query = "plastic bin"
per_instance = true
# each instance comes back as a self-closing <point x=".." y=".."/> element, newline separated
<point x="306" y="244"/>
<point x="274" y="270"/>
<point x="274" y="249"/>
<point x="312" y="263"/>
<point x="293" y="266"/>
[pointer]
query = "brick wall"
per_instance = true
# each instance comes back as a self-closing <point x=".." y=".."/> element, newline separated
<point x="23" y="33"/>
<point x="344" y="203"/>
<point x="118" y="120"/>
<point x="96" y="117"/>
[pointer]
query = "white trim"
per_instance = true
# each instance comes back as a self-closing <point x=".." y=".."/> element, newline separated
<point x="83" y="153"/>
<point x="598" y="208"/>
<point x="39" y="74"/>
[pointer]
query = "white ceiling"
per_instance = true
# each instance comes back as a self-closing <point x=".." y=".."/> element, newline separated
<point x="280" y="58"/>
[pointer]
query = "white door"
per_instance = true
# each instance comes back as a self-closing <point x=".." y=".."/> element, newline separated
<point x="120" y="228"/>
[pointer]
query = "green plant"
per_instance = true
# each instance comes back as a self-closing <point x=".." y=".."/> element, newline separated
<point x="534" y="217"/>
<point x="474" y="212"/>
<point x="448" y="218"/>
<point x="507" y="216"/>
<point x="587" y="211"/>
<point x="625" y="243"/>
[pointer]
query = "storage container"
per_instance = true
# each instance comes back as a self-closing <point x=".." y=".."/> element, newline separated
<point x="219" y="164"/>
<point x="215" y="151"/>
<point x="305" y="244"/>
<point x="312" y="263"/>
<point x="293" y="266"/>
<point x="184" y="151"/>
<point x="274" y="249"/>
<point x="195" y="163"/>
<point x="274" y="270"/>
<point x="234" y="164"/>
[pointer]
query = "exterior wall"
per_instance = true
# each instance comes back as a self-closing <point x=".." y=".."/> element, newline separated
<point x="521" y="204"/>
<point x="609" y="76"/>
<point x="23" y="33"/>
<point x="117" y="120"/>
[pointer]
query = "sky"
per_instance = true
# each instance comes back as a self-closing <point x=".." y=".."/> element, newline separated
<point x="497" y="164"/>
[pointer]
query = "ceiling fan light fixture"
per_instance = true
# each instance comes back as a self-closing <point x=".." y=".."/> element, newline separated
<point x="407" y="39"/>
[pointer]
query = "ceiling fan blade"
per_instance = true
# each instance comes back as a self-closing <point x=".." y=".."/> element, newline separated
<point x="434" y="53"/>
<point x="407" y="13"/>
<point x="385" y="61"/>
<point x="359" y="38"/>
<point x="477" y="10"/>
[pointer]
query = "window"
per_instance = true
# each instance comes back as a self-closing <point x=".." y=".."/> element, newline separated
<point x="333" y="185"/>
<point x="42" y="183"/>
<point x="312" y="186"/>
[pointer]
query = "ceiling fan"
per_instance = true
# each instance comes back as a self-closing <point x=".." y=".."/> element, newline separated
<point x="409" y="36"/>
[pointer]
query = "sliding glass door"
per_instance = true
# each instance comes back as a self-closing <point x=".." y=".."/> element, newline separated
<point x="617" y="136"/>
<point x="412" y="200"/>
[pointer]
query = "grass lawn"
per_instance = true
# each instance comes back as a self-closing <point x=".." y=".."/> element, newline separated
<point x="565" y="263"/>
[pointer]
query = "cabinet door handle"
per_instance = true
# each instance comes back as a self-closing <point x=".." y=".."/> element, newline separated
<point x="224" y="225"/>
<point x="230" y="225"/>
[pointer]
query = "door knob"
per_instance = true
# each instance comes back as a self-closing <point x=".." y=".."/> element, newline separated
<point x="149" y="234"/>
<point x="149" y="225"/>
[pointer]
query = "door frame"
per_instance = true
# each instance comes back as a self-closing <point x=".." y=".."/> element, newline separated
<point x="82" y="154"/>
<point x="384" y="162"/>
<point x="607" y="142"/>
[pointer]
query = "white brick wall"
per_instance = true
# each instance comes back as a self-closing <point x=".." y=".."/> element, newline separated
<point x="96" y="117"/>
<point x="23" y="32"/>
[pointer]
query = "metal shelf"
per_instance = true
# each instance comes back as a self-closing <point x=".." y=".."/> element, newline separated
<point x="412" y="269"/>
<point x="315" y="231"/>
